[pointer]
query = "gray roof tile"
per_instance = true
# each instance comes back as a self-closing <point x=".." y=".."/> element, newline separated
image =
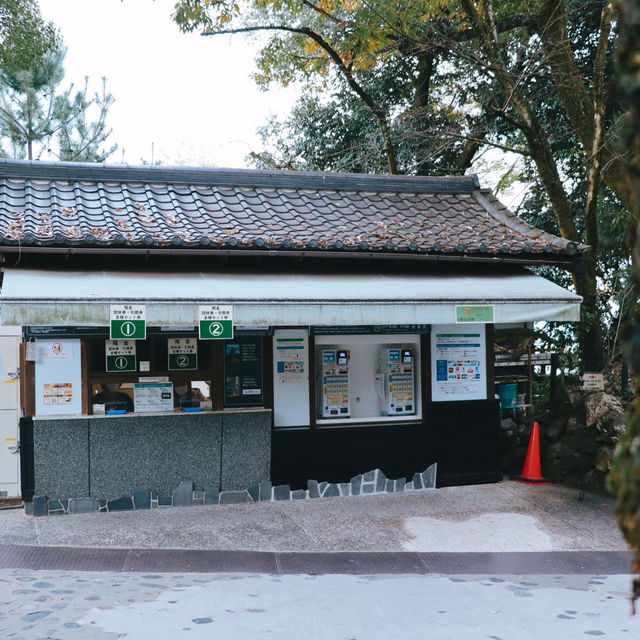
<point x="59" y="204"/>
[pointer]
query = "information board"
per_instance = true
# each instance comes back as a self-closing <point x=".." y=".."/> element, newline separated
<point x="152" y="397"/>
<point x="58" y="374"/>
<point x="120" y="355"/>
<point x="182" y="354"/>
<point x="458" y="362"/>
<point x="243" y="372"/>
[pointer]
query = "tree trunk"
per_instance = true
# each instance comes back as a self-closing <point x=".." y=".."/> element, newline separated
<point x="577" y="102"/>
<point x="590" y="333"/>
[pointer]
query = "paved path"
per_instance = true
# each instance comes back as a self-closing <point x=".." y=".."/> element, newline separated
<point x="501" y="562"/>
<point x="140" y="606"/>
<point x="507" y="516"/>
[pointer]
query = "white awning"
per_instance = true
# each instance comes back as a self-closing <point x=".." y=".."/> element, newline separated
<point x="82" y="298"/>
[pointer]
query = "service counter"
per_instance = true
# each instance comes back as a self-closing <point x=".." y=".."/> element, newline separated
<point x="106" y="456"/>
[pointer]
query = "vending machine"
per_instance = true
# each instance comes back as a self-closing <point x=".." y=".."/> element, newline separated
<point x="396" y="383"/>
<point x="335" y="383"/>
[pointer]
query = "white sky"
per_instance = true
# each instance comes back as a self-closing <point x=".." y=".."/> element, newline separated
<point x="190" y="96"/>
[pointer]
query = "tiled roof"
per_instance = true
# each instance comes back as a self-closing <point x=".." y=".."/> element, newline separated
<point x="84" y="205"/>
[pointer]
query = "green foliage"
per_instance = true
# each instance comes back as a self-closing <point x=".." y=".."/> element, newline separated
<point x="417" y="86"/>
<point x="25" y="39"/>
<point x="38" y="117"/>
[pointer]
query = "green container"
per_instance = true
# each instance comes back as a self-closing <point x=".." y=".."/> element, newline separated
<point x="507" y="393"/>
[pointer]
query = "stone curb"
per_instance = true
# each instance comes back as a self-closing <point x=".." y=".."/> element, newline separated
<point x="369" y="483"/>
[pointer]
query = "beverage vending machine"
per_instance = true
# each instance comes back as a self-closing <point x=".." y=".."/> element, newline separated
<point x="335" y="383"/>
<point x="396" y="385"/>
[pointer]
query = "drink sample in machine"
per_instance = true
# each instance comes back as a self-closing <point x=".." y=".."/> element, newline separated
<point x="397" y="382"/>
<point x="335" y="383"/>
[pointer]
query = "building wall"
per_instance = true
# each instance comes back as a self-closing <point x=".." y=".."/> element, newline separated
<point x="106" y="457"/>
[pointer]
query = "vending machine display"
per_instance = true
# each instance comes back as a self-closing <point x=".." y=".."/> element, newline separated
<point x="397" y="382"/>
<point x="335" y="383"/>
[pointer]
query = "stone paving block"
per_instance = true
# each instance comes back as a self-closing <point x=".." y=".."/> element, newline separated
<point x="125" y="503"/>
<point x="399" y="484"/>
<point x="164" y="501"/>
<point x="211" y="495"/>
<point x="331" y="491"/>
<point x="282" y="492"/>
<point x="313" y="489"/>
<point x="28" y="508"/>
<point x="233" y="497"/>
<point x="368" y="487"/>
<point x="429" y="476"/>
<point x="142" y="499"/>
<point x="183" y="495"/>
<point x="40" y="506"/>
<point x="298" y="494"/>
<point x="370" y="476"/>
<point x="345" y="489"/>
<point x="356" y="485"/>
<point x="408" y="486"/>
<point x="58" y="506"/>
<point x="266" y="491"/>
<point x="254" y="492"/>
<point x="198" y="497"/>
<point x="390" y="486"/>
<point x="417" y="481"/>
<point x="322" y="486"/>
<point x="83" y="505"/>
<point x="381" y="481"/>
<point x="102" y="505"/>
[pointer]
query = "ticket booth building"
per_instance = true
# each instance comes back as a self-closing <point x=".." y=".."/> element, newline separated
<point x="232" y="326"/>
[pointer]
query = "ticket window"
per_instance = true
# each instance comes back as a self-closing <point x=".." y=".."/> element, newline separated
<point x="116" y="368"/>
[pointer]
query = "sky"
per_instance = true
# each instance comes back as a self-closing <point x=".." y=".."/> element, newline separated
<point x="179" y="98"/>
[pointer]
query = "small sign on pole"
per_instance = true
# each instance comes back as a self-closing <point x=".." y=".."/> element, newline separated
<point x="215" y="322"/>
<point x="593" y="382"/>
<point x="127" y="322"/>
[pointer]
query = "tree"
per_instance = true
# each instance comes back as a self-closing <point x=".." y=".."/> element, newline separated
<point x="36" y="116"/>
<point x="25" y="39"/>
<point x="625" y="474"/>
<point x="516" y="74"/>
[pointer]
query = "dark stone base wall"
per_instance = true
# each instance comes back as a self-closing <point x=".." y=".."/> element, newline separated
<point x="107" y="457"/>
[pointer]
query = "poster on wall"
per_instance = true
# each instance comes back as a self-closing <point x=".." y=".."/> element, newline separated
<point x="58" y="377"/>
<point x="290" y="360"/>
<point x="57" y="393"/>
<point x="243" y="372"/>
<point x="458" y="362"/>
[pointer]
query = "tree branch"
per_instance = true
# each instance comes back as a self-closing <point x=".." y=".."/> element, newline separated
<point x="346" y="72"/>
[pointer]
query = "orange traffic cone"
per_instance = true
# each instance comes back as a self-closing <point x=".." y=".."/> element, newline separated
<point x="531" y="472"/>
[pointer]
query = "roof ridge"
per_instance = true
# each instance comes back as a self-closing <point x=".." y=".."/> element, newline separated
<point x="284" y="179"/>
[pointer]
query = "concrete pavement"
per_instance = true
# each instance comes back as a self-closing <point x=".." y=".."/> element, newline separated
<point x="505" y="561"/>
<point x="506" y="516"/>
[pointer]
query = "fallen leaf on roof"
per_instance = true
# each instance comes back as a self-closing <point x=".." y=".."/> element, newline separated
<point x="69" y="212"/>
